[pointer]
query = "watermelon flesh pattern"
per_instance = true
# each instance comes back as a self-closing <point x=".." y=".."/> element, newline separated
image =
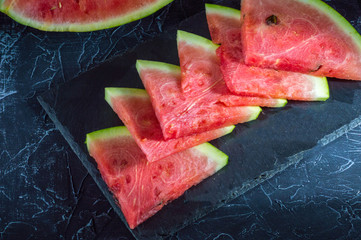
<point x="305" y="39"/>
<point x="183" y="116"/>
<point x="220" y="21"/>
<point x="78" y="15"/>
<point x="72" y="11"/>
<point x="143" y="188"/>
<point x="202" y="77"/>
<point x="138" y="116"/>
<point x="243" y="79"/>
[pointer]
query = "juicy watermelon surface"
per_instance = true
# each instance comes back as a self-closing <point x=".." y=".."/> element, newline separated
<point x="182" y="116"/>
<point x="134" y="108"/>
<point x="243" y="79"/>
<point x="220" y="19"/>
<point x="202" y="76"/>
<point x="142" y="188"/>
<point x="305" y="36"/>
<point x="78" y="15"/>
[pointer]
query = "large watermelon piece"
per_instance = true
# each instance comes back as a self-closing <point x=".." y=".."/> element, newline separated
<point x="134" y="108"/>
<point x="181" y="116"/>
<point x="202" y="76"/>
<point x="305" y="36"/>
<point x="78" y="15"/>
<point x="143" y="188"/>
<point x="224" y="26"/>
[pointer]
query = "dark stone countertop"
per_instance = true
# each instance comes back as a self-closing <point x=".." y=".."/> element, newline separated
<point x="46" y="193"/>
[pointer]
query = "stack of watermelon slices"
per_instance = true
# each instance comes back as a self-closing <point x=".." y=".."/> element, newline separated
<point x="251" y="80"/>
<point x="162" y="151"/>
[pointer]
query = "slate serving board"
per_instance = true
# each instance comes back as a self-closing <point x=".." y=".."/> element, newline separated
<point x="257" y="150"/>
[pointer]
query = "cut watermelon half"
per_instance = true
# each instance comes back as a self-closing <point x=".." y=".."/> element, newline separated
<point x="202" y="76"/>
<point x="134" y="108"/>
<point x="305" y="36"/>
<point x="243" y="79"/>
<point x="181" y="116"/>
<point x="78" y="16"/>
<point x="143" y="188"/>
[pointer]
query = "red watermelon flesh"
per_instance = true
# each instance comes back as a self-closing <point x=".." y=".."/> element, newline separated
<point x="305" y="36"/>
<point x="134" y="108"/>
<point x="220" y="19"/>
<point x="202" y="76"/>
<point x="234" y="100"/>
<point x="243" y="79"/>
<point x="143" y="188"/>
<point x="78" y="15"/>
<point x="181" y="116"/>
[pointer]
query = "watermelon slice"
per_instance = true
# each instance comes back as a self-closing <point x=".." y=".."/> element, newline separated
<point x="78" y="15"/>
<point x="202" y="76"/>
<point x="224" y="25"/>
<point x="181" y="116"/>
<point x="305" y="36"/>
<point x="143" y="188"/>
<point x="134" y="108"/>
<point x="220" y="19"/>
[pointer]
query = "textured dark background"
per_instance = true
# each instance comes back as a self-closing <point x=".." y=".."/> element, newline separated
<point x="45" y="193"/>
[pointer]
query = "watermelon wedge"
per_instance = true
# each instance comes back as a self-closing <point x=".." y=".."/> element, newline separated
<point x="181" y="116"/>
<point x="78" y="15"/>
<point x="134" y="108"/>
<point x="202" y="76"/>
<point x="224" y="25"/>
<point x="220" y="19"/>
<point x="305" y="36"/>
<point x="143" y="188"/>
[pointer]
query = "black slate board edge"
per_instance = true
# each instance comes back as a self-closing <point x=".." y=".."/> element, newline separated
<point x="339" y="132"/>
<point x="83" y="158"/>
<point x="236" y="193"/>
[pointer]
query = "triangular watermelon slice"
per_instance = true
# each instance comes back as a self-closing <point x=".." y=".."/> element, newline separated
<point x="202" y="76"/>
<point x="305" y="36"/>
<point x="78" y="16"/>
<point x="134" y="108"/>
<point x="181" y="116"/>
<point x="224" y="25"/>
<point x="143" y="188"/>
<point x="220" y="20"/>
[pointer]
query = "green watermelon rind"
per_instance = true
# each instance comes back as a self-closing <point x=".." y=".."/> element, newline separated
<point x="86" y="27"/>
<point x="280" y="102"/>
<point x="107" y="133"/>
<point x="254" y="112"/>
<point x="321" y="89"/>
<point x="213" y="154"/>
<point x="222" y="10"/>
<point x="337" y="18"/>
<point x="2" y="8"/>
<point x="161" y="66"/>
<point x="114" y="91"/>
<point x="193" y="39"/>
